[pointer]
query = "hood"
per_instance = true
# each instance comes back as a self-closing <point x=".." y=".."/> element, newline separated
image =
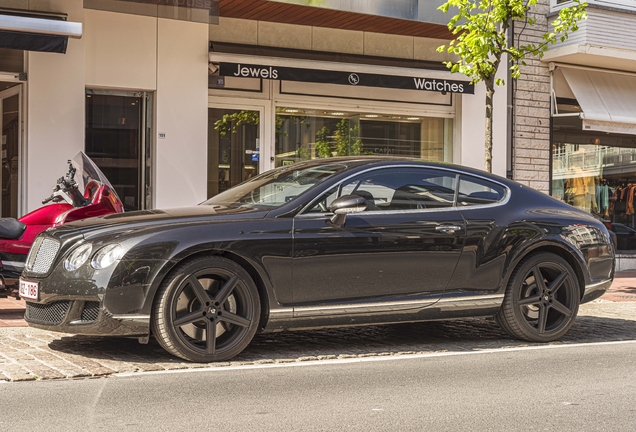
<point x="146" y="218"/>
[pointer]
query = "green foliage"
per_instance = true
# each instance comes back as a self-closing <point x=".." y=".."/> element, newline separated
<point x="231" y="122"/>
<point x="356" y="142"/>
<point x="323" y="149"/>
<point x="481" y="40"/>
<point x="481" y="26"/>
<point x="342" y="137"/>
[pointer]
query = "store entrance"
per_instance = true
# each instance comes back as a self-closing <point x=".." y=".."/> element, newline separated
<point x="118" y="139"/>
<point x="11" y="133"/>
<point x="233" y="147"/>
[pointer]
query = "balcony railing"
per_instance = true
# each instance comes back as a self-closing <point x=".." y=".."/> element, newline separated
<point x="593" y="161"/>
<point x="628" y="5"/>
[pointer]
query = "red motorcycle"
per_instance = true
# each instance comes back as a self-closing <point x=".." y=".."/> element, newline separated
<point x="91" y="194"/>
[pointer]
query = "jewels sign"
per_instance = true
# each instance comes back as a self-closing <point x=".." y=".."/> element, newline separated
<point x="241" y="70"/>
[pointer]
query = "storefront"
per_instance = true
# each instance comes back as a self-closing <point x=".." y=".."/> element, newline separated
<point x="317" y="109"/>
<point x="594" y="145"/>
<point x="175" y="107"/>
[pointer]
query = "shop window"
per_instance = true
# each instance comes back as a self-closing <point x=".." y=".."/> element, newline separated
<point x="233" y="148"/>
<point x="118" y="139"/>
<point x="303" y="134"/>
<point x="10" y="128"/>
<point x="596" y="172"/>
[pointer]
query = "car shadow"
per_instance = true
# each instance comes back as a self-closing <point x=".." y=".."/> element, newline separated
<point x="439" y="336"/>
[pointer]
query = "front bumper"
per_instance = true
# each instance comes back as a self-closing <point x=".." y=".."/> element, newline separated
<point x="84" y="316"/>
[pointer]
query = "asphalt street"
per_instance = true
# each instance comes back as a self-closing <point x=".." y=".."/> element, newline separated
<point x="582" y="387"/>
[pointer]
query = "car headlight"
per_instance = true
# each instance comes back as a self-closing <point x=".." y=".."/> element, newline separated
<point x="107" y="256"/>
<point x="78" y="257"/>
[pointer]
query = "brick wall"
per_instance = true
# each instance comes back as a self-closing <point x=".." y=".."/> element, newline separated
<point x="531" y="132"/>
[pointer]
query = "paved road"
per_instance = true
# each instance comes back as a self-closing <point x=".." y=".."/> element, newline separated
<point x="30" y="354"/>
<point x="565" y="388"/>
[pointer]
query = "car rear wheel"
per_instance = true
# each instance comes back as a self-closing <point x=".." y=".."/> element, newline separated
<point x="542" y="299"/>
<point x="207" y="310"/>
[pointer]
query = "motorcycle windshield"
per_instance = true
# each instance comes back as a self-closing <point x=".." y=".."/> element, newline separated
<point x="87" y="171"/>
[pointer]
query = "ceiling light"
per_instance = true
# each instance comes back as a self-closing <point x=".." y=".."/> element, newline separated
<point x="337" y="113"/>
<point x="371" y="115"/>
<point x="413" y="118"/>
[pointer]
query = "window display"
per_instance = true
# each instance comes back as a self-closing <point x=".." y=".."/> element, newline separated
<point x="596" y="172"/>
<point x="303" y="134"/>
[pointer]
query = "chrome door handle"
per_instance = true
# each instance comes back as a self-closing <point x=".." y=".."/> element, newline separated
<point x="450" y="229"/>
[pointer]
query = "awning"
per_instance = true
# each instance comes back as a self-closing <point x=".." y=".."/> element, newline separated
<point x="31" y="32"/>
<point x="608" y="100"/>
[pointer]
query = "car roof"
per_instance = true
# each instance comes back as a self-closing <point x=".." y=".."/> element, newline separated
<point x="359" y="161"/>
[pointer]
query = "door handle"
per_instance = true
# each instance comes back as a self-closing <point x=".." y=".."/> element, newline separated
<point x="450" y="229"/>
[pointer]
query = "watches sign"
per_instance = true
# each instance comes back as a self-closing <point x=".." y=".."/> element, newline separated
<point x="240" y="70"/>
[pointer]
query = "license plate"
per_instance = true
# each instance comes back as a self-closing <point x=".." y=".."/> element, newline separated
<point x="28" y="289"/>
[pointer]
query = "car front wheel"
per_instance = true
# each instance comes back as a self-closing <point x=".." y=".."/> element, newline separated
<point x="542" y="299"/>
<point x="207" y="310"/>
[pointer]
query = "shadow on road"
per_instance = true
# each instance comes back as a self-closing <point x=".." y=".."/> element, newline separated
<point x="461" y="335"/>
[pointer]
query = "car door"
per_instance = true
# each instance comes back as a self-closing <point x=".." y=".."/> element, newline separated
<point x="406" y="243"/>
<point x="481" y="265"/>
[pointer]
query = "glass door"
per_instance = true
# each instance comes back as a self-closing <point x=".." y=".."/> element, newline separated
<point x="11" y="133"/>
<point x="234" y="149"/>
<point x="118" y="139"/>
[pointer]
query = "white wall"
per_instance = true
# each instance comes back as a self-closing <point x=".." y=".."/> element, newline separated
<point x="55" y="111"/>
<point x="182" y="113"/>
<point x="473" y="126"/>
<point x="121" y="50"/>
<point x="124" y="52"/>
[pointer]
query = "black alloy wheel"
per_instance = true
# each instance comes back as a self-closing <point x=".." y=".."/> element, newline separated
<point x="208" y="310"/>
<point x="542" y="299"/>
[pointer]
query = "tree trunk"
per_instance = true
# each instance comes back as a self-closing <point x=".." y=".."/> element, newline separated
<point x="490" y="92"/>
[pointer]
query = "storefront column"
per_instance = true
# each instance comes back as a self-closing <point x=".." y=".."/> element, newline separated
<point x="182" y="113"/>
<point x="55" y="112"/>
<point x="531" y="139"/>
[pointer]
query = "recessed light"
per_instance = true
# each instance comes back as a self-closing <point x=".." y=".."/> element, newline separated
<point x="337" y="113"/>
<point x="371" y="115"/>
<point x="413" y="118"/>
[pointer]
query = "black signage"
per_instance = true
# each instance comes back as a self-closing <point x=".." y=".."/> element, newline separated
<point x="241" y="70"/>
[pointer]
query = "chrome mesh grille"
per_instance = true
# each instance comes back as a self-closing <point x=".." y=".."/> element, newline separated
<point x="90" y="311"/>
<point x="42" y="255"/>
<point x="50" y="313"/>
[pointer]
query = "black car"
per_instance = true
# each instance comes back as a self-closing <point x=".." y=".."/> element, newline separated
<point x="329" y="242"/>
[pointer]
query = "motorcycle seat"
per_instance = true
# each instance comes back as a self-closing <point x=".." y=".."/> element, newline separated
<point x="11" y="228"/>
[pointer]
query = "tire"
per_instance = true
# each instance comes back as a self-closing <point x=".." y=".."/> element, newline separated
<point x="204" y="297"/>
<point x="543" y="311"/>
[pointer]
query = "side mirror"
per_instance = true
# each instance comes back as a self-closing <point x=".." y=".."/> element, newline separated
<point x="344" y="205"/>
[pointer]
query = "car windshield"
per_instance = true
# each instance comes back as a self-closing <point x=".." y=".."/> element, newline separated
<point x="276" y="187"/>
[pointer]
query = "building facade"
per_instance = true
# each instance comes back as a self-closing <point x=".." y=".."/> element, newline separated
<point x="179" y="100"/>
<point x="591" y="79"/>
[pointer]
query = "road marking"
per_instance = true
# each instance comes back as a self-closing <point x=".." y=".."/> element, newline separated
<point x="371" y="359"/>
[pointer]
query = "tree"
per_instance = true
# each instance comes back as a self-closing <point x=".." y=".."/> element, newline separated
<point x="481" y="40"/>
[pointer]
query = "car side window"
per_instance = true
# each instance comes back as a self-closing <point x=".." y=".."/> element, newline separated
<point x="476" y="191"/>
<point x="322" y="205"/>
<point x="397" y="189"/>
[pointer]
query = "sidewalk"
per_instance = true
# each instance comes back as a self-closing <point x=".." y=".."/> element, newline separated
<point x="622" y="290"/>
<point x="11" y="312"/>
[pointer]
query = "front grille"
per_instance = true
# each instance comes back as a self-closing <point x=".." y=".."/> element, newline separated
<point x="50" y="313"/>
<point x="42" y="255"/>
<point x="90" y="311"/>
